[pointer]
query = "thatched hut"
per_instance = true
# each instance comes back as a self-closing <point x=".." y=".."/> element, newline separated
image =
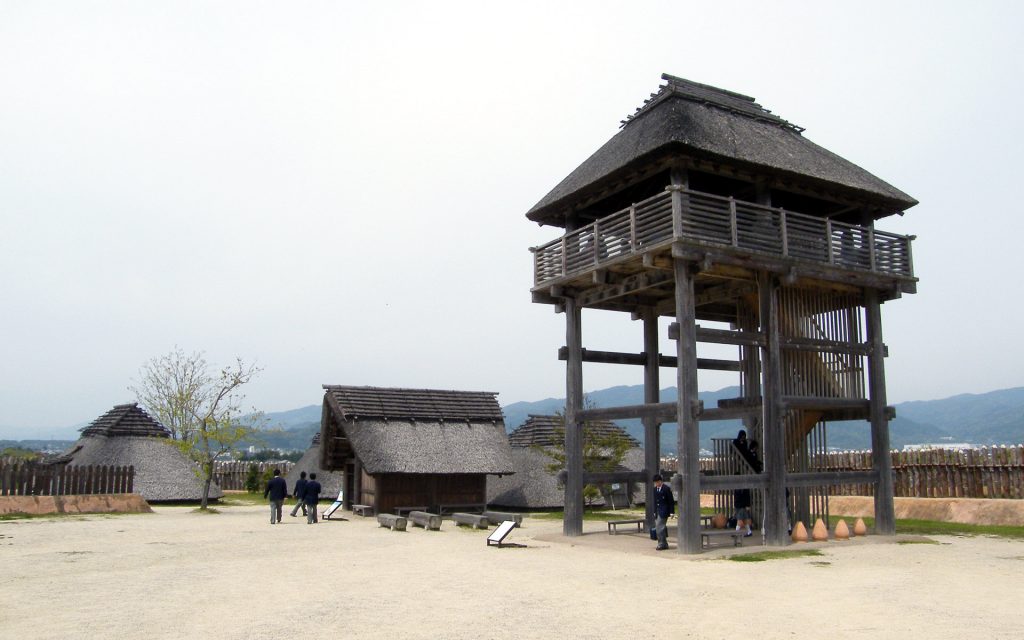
<point x="413" y="447"/>
<point x="127" y="435"/>
<point x="534" y="487"/>
<point x="330" y="481"/>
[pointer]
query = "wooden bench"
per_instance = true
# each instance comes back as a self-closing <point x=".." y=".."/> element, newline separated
<point x="362" y="510"/>
<point x="406" y="510"/>
<point x="614" y="524"/>
<point x="429" y="521"/>
<point x="391" y="521"/>
<point x="497" y="517"/>
<point x="474" y="520"/>
<point x="708" y="534"/>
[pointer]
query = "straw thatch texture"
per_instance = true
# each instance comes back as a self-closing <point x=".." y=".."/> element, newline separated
<point x="127" y="435"/>
<point x="688" y="119"/>
<point x="331" y="482"/>
<point x="419" y="430"/>
<point x="533" y="486"/>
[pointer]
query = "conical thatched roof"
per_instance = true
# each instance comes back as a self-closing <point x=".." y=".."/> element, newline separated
<point x="533" y="486"/>
<point x="544" y="431"/>
<point x="128" y="436"/>
<point x="330" y="481"/>
<point x="692" y="120"/>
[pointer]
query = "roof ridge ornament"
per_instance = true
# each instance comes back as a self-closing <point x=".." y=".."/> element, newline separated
<point x="731" y="101"/>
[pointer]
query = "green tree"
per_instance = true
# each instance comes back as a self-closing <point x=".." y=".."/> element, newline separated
<point x="602" y="452"/>
<point x="203" y="406"/>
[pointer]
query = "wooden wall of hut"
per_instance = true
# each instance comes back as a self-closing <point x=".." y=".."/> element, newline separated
<point x="387" y="492"/>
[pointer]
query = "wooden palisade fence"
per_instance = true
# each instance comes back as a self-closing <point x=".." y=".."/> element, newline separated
<point x="20" y="478"/>
<point x="984" y="472"/>
<point x="230" y="475"/>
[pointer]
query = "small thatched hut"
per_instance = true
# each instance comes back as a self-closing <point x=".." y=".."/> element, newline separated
<point x="127" y="435"/>
<point x="534" y="487"/>
<point x="413" y="447"/>
<point x="330" y="481"/>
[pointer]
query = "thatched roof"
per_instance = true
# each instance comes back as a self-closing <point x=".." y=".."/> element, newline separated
<point x="128" y="436"/>
<point x="545" y="431"/>
<point x="534" y="487"/>
<point x="126" y="420"/>
<point x="420" y="430"/>
<point x="688" y="119"/>
<point x="330" y="481"/>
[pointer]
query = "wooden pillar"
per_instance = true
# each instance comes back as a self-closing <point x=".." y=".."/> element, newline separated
<point x="357" y="481"/>
<point x="885" y="517"/>
<point x="652" y="428"/>
<point x="688" y="526"/>
<point x="774" y="445"/>
<point x="572" y="522"/>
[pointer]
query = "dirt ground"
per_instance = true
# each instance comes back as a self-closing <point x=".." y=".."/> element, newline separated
<point x="178" y="574"/>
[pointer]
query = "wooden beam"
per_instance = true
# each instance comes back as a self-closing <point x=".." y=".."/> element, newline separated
<point x="662" y="411"/>
<point x="774" y="445"/>
<point x="607" y="477"/>
<point x="640" y="359"/>
<point x="688" y="528"/>
<point x="628" y="285"/>
<point x="885" y="515"/>
<point x="725" y="483"/>
<point x="831" y="346"/>
<point x="652" y="425"/>
<point x="830" y="478"/>
<point x="572" y="522"/>
<point x="722" y="336"/>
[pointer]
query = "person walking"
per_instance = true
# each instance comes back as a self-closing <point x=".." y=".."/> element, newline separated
<point x="300" y="494"/>
<point x="311" y="497"/>
<point x="664" y="506"/>
<point x="277" y="490"/>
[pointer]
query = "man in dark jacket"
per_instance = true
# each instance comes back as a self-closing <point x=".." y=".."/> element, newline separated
<point x="664" y="506"/>
<point x="311" y="497"/>
<point x="277" y="490"/>
<point x="300" y="494"/>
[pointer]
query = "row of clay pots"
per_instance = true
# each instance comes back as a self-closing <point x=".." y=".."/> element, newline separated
<point x="820" y="531"/>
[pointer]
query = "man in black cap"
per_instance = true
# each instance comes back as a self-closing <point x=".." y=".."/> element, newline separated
<point x="664" y="506"/>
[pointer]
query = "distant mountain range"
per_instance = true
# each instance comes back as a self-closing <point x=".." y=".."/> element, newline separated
<point x="996" y="417"/>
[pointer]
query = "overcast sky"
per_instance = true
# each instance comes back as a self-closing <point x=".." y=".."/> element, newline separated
<point x="337" y="190"/>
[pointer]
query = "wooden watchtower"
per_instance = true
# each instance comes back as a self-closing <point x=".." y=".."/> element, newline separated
<point x="706" y="207"/>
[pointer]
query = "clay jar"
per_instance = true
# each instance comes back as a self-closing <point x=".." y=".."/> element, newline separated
<point x="842" y="531"/>
<point x="820" y="532"/>
<point x="859" y="528"/>
<point x="799" y="533"/>
<point x="718" y="521"/>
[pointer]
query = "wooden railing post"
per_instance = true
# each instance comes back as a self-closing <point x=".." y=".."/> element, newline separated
<point x="632" y="228"/>
<point x="783" y="231"/>
<point x="597" y="243"/>
<point x="733" y="231"/>
<point x="871" y="249"/>
<point x="828" y="239"/>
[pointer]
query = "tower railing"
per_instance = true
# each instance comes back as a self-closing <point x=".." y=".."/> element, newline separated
<point x="715" y="221"/>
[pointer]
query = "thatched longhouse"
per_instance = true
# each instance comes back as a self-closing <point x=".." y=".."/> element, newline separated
<point x="413" y="447"/>
<point x="127" y="435"/>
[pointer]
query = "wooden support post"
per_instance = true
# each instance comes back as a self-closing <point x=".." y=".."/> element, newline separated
<point x="774" y="445"/>
<point x="885" y="517"/>
<point x="652" y="427"/>
<point x="688" y="527"/>
<point x="572" y="522"/>
<point x="357" y="481"/>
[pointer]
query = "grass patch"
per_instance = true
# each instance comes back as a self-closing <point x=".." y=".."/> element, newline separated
<point x="243" y="500"/>
<point x="919" y="541"/>
<point x="935" y="528"/>
<point x="762" y="556"/>
<point x="593" y="515"/>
